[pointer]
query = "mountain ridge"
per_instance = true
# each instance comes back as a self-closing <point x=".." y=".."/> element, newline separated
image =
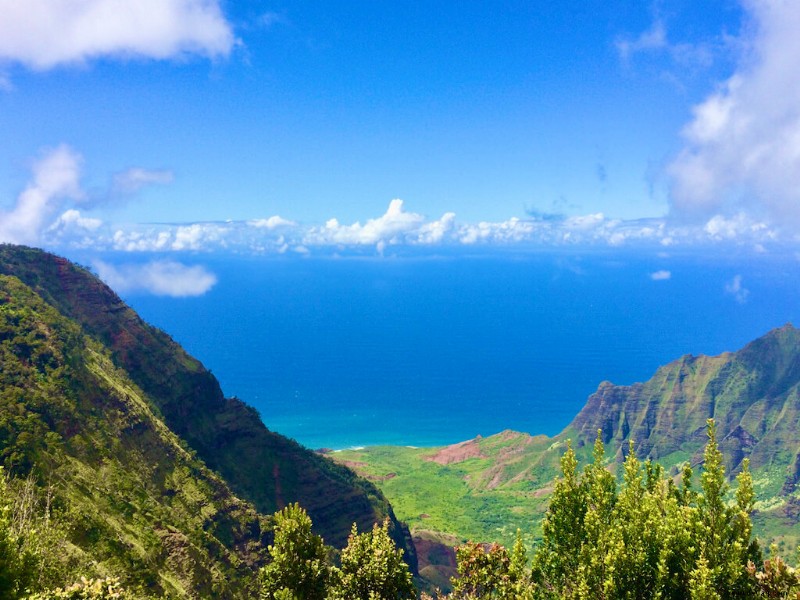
<point x="752" y="394"/>
<point x="174" y="389"/>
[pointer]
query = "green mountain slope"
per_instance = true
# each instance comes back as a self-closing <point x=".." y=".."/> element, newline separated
<point x="135" y="501"/>
<point x="261" y="466"/>
<point x="753" y="394"/>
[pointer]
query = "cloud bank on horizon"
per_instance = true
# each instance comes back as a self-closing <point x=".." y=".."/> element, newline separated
<point x="49" y="213"/>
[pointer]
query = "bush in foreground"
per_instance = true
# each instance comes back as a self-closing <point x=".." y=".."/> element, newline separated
<point x="372" y="567"/>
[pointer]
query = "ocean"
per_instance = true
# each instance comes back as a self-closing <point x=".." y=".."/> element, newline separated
<point x="421" y="350"/>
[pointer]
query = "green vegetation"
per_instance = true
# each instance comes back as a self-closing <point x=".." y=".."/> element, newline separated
<point x="651" y="538"/>
<point x="372" y="568"/>
<point x="125" y="473"/>
<point x="486" y="488"/>
<point x="451" y="497"/>
<point x="16" y="560"/>
<point x="486" y="572"/>
<point x="648" y="539"/>
<point x="299" y="566"/>
<point x="106" y="485"/>
<point x="108" y="430"/>
<point x="107" y="588"/>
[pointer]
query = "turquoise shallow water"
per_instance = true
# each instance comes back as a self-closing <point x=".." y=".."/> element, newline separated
<point x="427" y="351"/>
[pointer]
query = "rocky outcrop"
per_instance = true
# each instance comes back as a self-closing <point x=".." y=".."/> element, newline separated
<point x="753" y="395"/>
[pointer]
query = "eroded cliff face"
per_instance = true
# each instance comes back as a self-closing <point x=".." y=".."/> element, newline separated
<point x="752" y="394"/>
<point x="259" y="465"/>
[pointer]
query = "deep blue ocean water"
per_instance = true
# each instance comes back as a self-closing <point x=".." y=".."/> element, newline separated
<point x="426" y="351"/>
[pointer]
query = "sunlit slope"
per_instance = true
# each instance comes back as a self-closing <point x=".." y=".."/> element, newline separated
<point x="136" y="501"/>
<point x="461" y="489"/>
<point x="752" y="394"/>
<point x="487" y="487"/>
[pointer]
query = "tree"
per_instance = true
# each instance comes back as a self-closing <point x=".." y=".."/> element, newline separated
<point x="482" y="570"/>
<point x="701" y="584"/>
<point x="555" y="565"/>
<point x="651" y="539"/>
<point x="299" y="569"/>
<point x="518" y="582"/>
<point x="725" y="531"/>
<point x="372" y="568"/>
<point x="636" y="534"/>
<point x="601" y="499"/>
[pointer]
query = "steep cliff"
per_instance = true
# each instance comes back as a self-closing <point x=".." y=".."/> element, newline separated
<point x="753" y="395"/>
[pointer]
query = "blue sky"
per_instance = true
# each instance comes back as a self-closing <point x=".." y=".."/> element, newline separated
<point x="175" y="126"/>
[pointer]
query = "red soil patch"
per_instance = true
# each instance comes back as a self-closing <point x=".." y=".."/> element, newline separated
<point x="457" y="452"/>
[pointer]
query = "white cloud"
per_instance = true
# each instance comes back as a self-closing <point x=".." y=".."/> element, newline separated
<point x="72" y="226"/>
<point x="271" y="223"/>
<point x="661" y="275"/>
<point x="398" y="228"/>
<point x="132" y="180"/>
<point x="435" y="231"/>
<point x="742" y="149"/>
<point x="584" y="222"/>
<point x="160" y="278"/>
<point x="735" y="288"/>
<point x="46" y="213"/>
<point x="655" y="42"/>
<point x="502" y="232"/>
<point x="389" y="228"/>
<point x="195" y="237"/>
<point x="139" y="241"/>
<point x="198" y="236"/>
<point x="737" y="226"/>
<point x="73" y="218"/>
<point x="56" y="177"/>
<point x="42" y="34"/>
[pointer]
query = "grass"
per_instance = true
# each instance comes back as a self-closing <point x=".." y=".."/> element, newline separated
<point x="430" y="496"/>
